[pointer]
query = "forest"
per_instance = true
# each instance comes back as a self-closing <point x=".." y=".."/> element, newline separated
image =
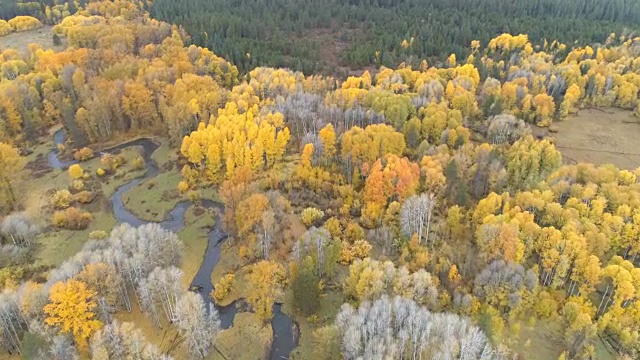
<point x="159" y="200"/>
<point x="335" y="37"/>
<point x="330" y="36"/>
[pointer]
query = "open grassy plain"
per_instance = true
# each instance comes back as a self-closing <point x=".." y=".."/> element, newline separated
<point x="600" y="136"/>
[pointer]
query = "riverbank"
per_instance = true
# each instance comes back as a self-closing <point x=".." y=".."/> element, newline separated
<point x="191" y="223"/>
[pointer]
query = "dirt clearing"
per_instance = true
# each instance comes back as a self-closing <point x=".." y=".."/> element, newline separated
<point x="600" y="136"/>
<point x="20" y="41"/>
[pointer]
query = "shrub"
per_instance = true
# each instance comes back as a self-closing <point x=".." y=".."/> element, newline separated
<point x="137" y="163"/>
<point x="120" y="160"/>
<point x="311" y="215"/>
<point x="77" y="185"/>
<point x="354" y="232"/>
<point x="83" y="154"/>
<point x="223" y="287"/>
<point x="61" y="199"/>
<point x="107" y="161"/>
<point x="183" y="186"/>
<point x="194" y="196"/>
<point x="10" y="277"/>
<point x="334" y="227"/>
<point x="98" y="235"/>
<point x="61" y="148"/>
<point x="189" y="175"/>
<point x="112" y="162"/>
<point x="72" y="218"/>
<point x="84" y="197"/>
<point x="24" y="23"/>
<point x="360" y="249"/>
<point x="100" y="172"/>
<point x="5" y="28"/>
<point x="12" y="68"/>
<point x="59" y="219"/>
<point x="346" y="257"/>
<point x="75" y="171"/>
<point x="506" y="129"/>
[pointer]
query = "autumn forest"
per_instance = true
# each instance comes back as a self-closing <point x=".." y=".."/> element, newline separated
<point x="189" y="180"/>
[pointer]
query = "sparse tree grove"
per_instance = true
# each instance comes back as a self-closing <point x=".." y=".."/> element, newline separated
<point x="399" y="328"/>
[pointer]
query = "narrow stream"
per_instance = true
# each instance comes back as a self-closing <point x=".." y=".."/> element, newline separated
<point x="52" y="157"/>
<point x="285" y="338"/>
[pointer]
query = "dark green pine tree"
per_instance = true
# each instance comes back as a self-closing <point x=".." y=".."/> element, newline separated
<point x="306" y="290"/>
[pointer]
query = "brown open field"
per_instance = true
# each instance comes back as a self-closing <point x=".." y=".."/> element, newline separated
<point x="600" y="136"/>
<point x="21" y="40"/>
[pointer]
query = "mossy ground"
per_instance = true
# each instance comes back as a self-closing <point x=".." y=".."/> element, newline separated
<point x="38" y="184"/>
<point x="330" y="303"/>
<point x="545" y="340"/>
<point x="195" y="236"/>
<point x="248" y="339"/>
<point x="153" y="198"/>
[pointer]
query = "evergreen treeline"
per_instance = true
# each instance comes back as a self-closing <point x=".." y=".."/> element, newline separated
<point x="279" y="32"/>
<point x="357" y="33"/>
<point x="37" y="8"/>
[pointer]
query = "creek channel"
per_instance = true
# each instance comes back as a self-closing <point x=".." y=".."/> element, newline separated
<point x="285" y="339"/>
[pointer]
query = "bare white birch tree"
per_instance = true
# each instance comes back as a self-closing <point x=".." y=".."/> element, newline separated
<point x="122" y="341"/>
<point x="197" y="326"/>
<point x="416" y="214"/>
<point x="399" y="328"/>
<point x="19" y="229"/>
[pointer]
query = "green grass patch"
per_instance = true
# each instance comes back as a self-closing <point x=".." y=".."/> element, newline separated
<point x="195" y="236"/>
<point x="153" y="198"/>
<point x="330" y="303"/>
<point x="54" y="247"/>
<point x="230" y="263"/>
<point x="165" y="337"/>
<point x="545" y="340"/>
<point x="248" y="339"/>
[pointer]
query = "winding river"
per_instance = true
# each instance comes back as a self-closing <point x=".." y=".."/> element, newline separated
<point x="284" y="337"/>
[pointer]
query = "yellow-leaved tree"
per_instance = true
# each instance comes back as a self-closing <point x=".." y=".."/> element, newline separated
<point x="233" y="139"/>
<point x="71" y="310"/>
<point x="75" y="171"/>
<point x="10" y="164"/>
<point x="530" y="161"/>
<point x="265" y="280"/>
<point x="328" y="138"/>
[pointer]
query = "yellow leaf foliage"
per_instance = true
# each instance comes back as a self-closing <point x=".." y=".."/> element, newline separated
<point x="71" y="310"/>
<point x="223" y="287"/>
<point x="75" y="171"/>
<point x="234" y="139"/>
<point x="265" y="281"/>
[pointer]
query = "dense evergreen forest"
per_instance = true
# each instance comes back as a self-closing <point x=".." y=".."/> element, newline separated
<point x="332" y="36"/>
<point x="358" y="33"/>
<point x="12" y="8"/>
